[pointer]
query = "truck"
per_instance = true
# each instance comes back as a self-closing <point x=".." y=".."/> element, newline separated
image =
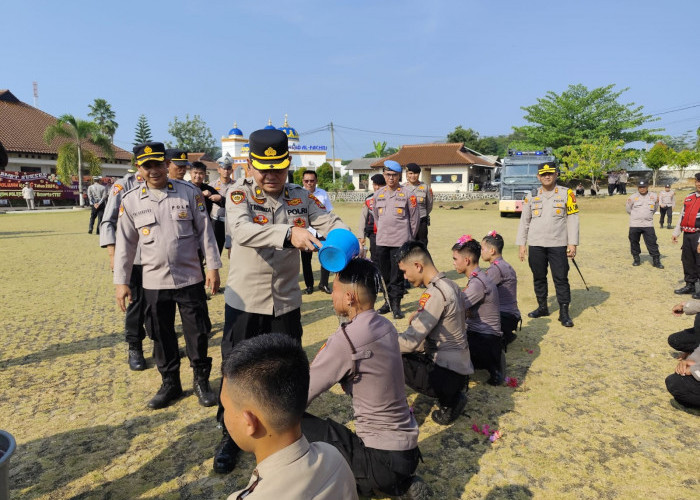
<point x="519" y="178"/>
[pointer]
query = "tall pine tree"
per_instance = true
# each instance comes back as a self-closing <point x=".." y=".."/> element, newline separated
<point x="143" y="131"/>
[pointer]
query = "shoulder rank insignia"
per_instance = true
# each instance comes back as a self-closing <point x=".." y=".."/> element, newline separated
<point x="139" y="178"/>
<point x="170" y="186"/>
<point x="237" y="197"/>
<point x="116" y="189"/>
<point x="259" y="196"/>
<point x="286" y="192"/>
<point x="121" y="210"/>
<point x="294" y="202"/>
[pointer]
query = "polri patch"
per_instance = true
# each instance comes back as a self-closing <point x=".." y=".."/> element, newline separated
<point x="260" y="219"/>
<point x="116" y="189"/>
<point x="300" y="222"/>
<point x="423" y="300"/>
<point x="237" y="197"/>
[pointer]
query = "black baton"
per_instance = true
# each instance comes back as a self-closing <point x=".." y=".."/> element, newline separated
<point x="579" y="273"/>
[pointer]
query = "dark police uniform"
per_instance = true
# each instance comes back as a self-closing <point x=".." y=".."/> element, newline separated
<point x="689" y="225"/>
<point x="135" y="318"/>
<point x="169" y="226"/>
<point x="549" y="223"/>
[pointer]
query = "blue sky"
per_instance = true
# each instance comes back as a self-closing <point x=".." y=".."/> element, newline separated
<point x="399" y="67"/>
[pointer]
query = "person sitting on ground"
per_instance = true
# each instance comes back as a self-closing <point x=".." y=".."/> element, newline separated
<point x="482" y="305"/>
<point x="506" y="280"/>
<point x="265" y="386"/>
<point x="434" y="348"/>
<point x="684" y="385"/>
<point x="686" y="341"/>
<point x="363" y="355"/>
<point x="580" y="190"/>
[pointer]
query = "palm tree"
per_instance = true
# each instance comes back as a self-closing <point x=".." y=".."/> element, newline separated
<point x="379" y="149"/>
<point x="80" y="133"/>
<point x="102" y="114"/>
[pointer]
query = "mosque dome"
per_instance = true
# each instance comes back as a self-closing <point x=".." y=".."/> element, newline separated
<point x="290" y="131"/>
<point x="270" y="126"/>
<point x="235" y="130"/>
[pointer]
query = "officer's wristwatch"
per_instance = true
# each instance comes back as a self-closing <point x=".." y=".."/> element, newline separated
<point x="288" y="238"/>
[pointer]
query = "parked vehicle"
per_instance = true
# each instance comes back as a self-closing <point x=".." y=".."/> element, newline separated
<point x="519" y="178"/>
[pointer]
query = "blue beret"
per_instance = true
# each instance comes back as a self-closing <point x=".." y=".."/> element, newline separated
<point x="392" y="165"/>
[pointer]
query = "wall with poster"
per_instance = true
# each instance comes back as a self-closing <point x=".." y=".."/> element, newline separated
<point x="46" y="186"/>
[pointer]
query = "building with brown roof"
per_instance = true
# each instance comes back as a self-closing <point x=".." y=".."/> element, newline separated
<point x="448" y="168"/>
<point x="22" y="133"/>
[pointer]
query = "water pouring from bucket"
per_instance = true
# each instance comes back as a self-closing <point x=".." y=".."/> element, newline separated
<point x="338" y="249"/>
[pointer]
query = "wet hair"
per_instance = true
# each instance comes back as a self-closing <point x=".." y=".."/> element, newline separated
<point x="272" y="371"/>
<point x="198" y="165"/>
<point x="471" y="248"/>
<point x="414" y="250"/>
<point x="364" y="274"/>
<point x="494" y="240"/>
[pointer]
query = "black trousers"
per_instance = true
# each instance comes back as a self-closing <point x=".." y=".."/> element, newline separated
<point x="690" y="258"/>
<point x="373" y="249"/>
<point x="389" y="267"/>
<point x="668" y="213"/>
<point x="308" y="272"/>
<point x="135" y="318"/>
<point x="686" y="340"/>
<point x="240" y="325"/>
<point x="220" y="233"/>
<point x="160" y="311"/>
<point x="622" y="187"/>
<point x="684" y="389"/>
<point x="377" y="472"/>
<point x="649" y="240"/>
<point x="96" y="213"/>
<point x="424" y="376"/>
<point x="509" y="323"/>
<point x="555" y="257"/>
<point x="611" y="189"/>
<point x="422" y="235"/>
<point x="485" y="351"/>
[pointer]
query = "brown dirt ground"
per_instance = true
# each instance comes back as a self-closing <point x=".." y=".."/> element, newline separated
<point x="591" y="418"/>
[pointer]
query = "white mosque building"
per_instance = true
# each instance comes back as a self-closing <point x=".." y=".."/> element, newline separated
<point x="310" y="156"/>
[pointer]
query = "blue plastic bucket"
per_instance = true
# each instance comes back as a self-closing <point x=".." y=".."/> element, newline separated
<point x="340" y="246"/>
<point x="7" y="448"/>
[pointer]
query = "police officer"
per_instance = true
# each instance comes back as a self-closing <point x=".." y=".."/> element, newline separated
<point x="97" y="196"/>
<point x="167" y="219"/>
<point x="424" y="197"/>
<point x="368" y="227"/>
<point x="222" y="185"/>
<point x="397" y="217"/>
<point x="667" y="200"/>
<point x="135" y="318"/>
<point x="269" y="221"/>
<point x="689" y="225"/>
<point x="642" y="207"/>
<point x="549" y="225"/>
<point x="177" y="163"/>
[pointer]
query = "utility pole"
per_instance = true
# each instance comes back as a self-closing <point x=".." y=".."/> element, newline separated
<point x="333" y="152"/>
<point x="35" y="85"/>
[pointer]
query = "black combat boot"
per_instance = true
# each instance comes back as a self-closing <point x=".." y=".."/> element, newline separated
<point x="688" y="288"/>
<point x="636" y="261"/>
<point x="541" y="310"/>
<point x="169" y="391"/>
<point x="202" y="389"/>
<point x="668" y="227"/>
<point x="564" y="317"/>
<point x="448" y="414"/>
<point x="396" y="309"/>
<point x="226" y="454"/>
<point x="656" y="262"/>
<point x="136" y="359"/>
<point x="384" y="309"/>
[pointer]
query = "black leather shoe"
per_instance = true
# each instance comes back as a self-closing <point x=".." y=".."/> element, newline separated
<point x="417" y="490"/>
<point x="324" y="288"/>
<point x="688" y="288"/>
<point x="396" y="309"/>
<point x="226" y="455"/>
<point x="539" y="312"/>
<point x="169" y="391"/>
<point x="202" y="389"/>
<point x="137" y="362"/>
<point x="656" y="262"/>
<point x="384" y="309"/>
<point x="636" y="262"/>
<point x="448" y="414"/>
<point x="564" y="317"/>
<point x="309" y="290"/>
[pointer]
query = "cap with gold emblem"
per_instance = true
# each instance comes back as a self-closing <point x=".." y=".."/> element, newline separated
<point x="269" y="149"/>
<point x="149" y="151"/>
<point x="546" y="168"/>
<point x="177" y="156"/>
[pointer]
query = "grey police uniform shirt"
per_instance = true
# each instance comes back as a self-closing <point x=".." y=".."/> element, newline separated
<point x="549" y="219"/>
<point x="108" y="227"/>
<point x="302" y="471"/>
<point x="97" y="193"/>
<point x="504" y="277"/>
<point x="396" y="215"/>
<point x="642" y="209"/>
<point x="667" y="198"/>
<point x="481" y="301"/>
<point x="424" y="197"/>
<point x="438" y="328"/>
<point x="263" y="275"/>
<point x="219" y="213"/>
<point x="170" y="230"/>
<point x="368" y="365"/>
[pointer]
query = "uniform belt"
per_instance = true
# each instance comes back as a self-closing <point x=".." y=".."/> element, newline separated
<point x="690" y="229"/>
<point x="218" y="217"/>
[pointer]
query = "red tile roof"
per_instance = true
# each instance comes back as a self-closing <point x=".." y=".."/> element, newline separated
<point x="22" y="129"/>
<point x="433" y="155"/>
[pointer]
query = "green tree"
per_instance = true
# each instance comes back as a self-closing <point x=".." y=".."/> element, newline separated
<point x="682" y="159"/>
<point x="142" y="134"/>
<point x="467" y="136"/>
<point x="658" y="156"/>
<point x="102" y="114"/>
<point x="325" y="176"/>
<point x="578" y="114"/>
<point x="80" y="133"/>
<point x="299" y="176"/>
<point x="591" y="160"/>
<point x="193" y="135"/>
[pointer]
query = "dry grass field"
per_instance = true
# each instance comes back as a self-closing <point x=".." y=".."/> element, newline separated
<point x="590" y="419"/>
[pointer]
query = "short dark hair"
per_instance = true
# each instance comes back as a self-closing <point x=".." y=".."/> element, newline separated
<point x="414" y="250"/>
<point x="274" y="371"/>
<point x="198" y="165"/>
<point x="495" y="240"/>
<point x="312" y="172"/>
<point x="363" y="273"/>
<point x="471" y="248"/>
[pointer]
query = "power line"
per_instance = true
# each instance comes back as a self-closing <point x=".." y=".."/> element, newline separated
<point x="677" y="110"/>
<point x="389" y="133"/>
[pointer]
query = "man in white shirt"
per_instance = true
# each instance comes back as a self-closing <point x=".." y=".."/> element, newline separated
<point x="310" y="179"/>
